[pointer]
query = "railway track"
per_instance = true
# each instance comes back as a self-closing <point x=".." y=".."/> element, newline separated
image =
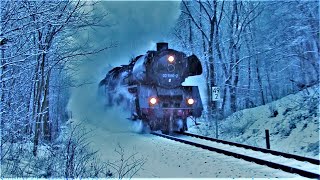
<point x="303" y="166"/>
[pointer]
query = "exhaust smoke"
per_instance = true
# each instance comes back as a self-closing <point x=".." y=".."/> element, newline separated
<point x="135" y="27"/>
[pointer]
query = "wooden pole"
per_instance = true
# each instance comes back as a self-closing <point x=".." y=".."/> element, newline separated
<point x="267" y="139"/>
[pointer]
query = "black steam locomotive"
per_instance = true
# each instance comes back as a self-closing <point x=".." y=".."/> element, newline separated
<point x="154" y="81"/>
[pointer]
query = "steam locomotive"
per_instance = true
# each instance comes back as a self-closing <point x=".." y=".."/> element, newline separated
<point x="154" y="83"/>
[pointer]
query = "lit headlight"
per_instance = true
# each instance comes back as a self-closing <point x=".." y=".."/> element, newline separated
<point x="153" y="101"/>
<point x="171" y="59"/>
<point x="190" y="101"/>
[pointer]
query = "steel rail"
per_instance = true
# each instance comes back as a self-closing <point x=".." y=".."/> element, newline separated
<point x="244" y="157"/>
<point x="277" y="153"/>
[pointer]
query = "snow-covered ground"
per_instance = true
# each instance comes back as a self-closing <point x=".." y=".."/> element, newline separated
<point x="164" y="158"/>
<point x="295" y="128"/>
<point x="256" y="154"/>
<point x="169" y="159"/>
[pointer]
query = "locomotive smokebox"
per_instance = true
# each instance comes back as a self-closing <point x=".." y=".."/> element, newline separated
<point x="162" y="46"/>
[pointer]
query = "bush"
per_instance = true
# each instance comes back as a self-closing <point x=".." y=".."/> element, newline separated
<point x="69" y="156"/>
<point x="237" y="125"/>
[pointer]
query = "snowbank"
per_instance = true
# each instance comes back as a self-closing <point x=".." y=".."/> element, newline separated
<point x="293" y="122"/>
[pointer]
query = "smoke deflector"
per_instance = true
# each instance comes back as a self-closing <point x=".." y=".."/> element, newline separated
<point x="194" y="64"/>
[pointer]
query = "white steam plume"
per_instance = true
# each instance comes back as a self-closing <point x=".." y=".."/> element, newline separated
<point x="134" y="26"/>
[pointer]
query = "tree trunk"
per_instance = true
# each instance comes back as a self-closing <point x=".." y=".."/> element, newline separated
<point x="45" y="111"/>
<point x="38" y="115"/>
<point x="234" y="56"/>
<point x="190" y="36"/>
<point x="3" y="85"/>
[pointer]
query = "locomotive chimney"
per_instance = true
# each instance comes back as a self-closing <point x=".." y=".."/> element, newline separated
<point x="162" y="46"/>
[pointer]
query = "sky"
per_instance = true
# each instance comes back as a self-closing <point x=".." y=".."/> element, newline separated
<point x="134" y="27"/>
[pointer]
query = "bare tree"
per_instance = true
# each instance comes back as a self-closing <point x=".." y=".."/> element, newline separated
<point x="206" y="19"/>
<point x="36" y="38"/>
<point x="126" y="166"/>
<point x="223" y="50"/>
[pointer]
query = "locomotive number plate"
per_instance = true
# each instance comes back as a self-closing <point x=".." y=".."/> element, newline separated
<point x="170" y="75"/>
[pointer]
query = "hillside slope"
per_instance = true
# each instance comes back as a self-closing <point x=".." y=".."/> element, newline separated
<point x="293" y="122"/>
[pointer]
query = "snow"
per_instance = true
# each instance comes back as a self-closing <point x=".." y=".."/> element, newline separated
<point x="294" y="130"/>
<point x="199" y="81"/>
<point x="169" y="159"/>
<point x="259" y="155"/>
<point x="165" y="158"/>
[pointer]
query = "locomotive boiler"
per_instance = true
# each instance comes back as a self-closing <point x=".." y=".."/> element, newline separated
<point x="154" y="81"/>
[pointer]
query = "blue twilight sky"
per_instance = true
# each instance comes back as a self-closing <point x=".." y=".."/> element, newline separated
<point x="135" y="26"/>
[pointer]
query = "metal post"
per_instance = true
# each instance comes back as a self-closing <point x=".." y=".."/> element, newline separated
<point x="216" y="123"/>
<point x="267" y="139"/>
<point x="214" y="111"/>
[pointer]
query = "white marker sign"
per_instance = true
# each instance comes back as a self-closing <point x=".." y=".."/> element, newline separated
<point x="215" y="93"/>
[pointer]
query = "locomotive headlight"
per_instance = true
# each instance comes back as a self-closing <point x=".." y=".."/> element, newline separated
<point x="171" y="59"/>
<point x="190" y="101"/>
<point x="153" y="101"/>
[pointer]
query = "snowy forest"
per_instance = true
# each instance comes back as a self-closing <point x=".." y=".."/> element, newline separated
<point x="257" y="52"/>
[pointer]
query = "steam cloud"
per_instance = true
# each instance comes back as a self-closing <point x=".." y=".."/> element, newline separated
<point x="135" y="27"/>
